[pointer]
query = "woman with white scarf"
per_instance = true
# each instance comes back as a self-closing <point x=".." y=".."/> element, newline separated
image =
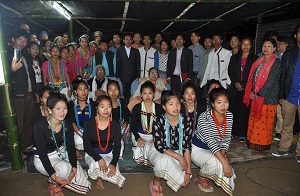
<point x="98" y="84"/>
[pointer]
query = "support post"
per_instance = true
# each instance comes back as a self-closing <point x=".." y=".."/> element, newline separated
<point x="71" y="30"/>
<point x="8" y="107"/>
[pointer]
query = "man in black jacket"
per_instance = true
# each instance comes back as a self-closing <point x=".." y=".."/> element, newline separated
<point x="180" y="65"/>
<point x="290" y="95"/>
<point x="106" y="58"/>
<point x="128" y="65"/>
<point x="23" y="87"/>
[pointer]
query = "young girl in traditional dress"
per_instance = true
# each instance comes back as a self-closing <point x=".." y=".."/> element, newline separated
<point x="102" y="144"/>
<point x="55" y="73"/>
<point x="142" y="117"/>
<point x="54" y="153"/>
<point x="80" y="110"/>
<point x="120" y="112"/>
<point x="64" y="57"/>
<point x="59" y="41"/>
<point x="171" y="156"/>
<point x="77" y="64"/>
<point x="211" y="142"/>
<point x="94" y="48"/>
<point x="85" y="56"/>
<point x="189" y="107"/>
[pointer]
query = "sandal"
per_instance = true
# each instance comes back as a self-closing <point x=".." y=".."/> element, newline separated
<point x="155" y="190"/>
<point x="55" y="190"/>
<point x="199" y="183"/>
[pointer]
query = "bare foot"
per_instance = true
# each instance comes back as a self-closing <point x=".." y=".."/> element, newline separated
<point x="99" y="184"/>
<point x="156" y="188"/>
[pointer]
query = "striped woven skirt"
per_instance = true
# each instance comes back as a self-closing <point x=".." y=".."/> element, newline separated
<point x="212" y="169"/>
<point x="95" y="173"/>
<point x="168" y="168"/>
<point x="78" y="142"/>
<point x="141" y="155"/>
<point x="79" y="184"/>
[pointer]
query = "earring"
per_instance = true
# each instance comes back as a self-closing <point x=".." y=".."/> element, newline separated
<point x="50" y="112"/>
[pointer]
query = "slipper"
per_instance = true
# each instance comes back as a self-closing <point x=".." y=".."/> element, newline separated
<point x="55" y="190"/>
<point x="155" y="189"/>
<point x="203" y="181"/>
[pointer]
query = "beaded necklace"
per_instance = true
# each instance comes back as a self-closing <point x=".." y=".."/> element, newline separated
<point x="75" y="65"/>
<point x="121" y="117"/>
<point x="63" y="155"/>
<point x="85" y="61"/>
<point x="147" y="128"/>
<point x="84" y="115"/>
<point x="168" y="132"/>
<point x="223" y="125"/>
<point x="56" y="79"/>
<point x="195" y="114"/>
<point x="107" y="138"/>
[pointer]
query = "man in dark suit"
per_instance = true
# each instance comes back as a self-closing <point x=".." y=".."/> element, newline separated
<point x="128" y="65"/>
<point x="180" y="65"/>
<point x="106" y="59"/>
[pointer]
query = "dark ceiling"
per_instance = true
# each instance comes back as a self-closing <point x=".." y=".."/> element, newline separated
<point x="145" y="16"/>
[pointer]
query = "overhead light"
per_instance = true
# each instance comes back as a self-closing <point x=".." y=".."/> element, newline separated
<point x="2" y="79"/>
<point x="61" y="10"/>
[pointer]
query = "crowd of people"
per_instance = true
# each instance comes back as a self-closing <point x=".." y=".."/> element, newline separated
<point x="171" y="100"/>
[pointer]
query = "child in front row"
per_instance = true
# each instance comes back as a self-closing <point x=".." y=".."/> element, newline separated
<point x="211" y="142"/>
<point x="171" y="157"/>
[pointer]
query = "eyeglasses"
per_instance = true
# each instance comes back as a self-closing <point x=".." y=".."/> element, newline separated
<point x="153" y="73"/>
<point x="216" y="39"/>
<point x="100" y="71"/>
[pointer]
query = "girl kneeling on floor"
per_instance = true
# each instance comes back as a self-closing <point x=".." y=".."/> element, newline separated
<point x="142" y="118"/>
<point x="211" y="142"/>
<point x="54" y="153"/>
<point x="102" y="144"/>
<point x="171" y="156"/>
<point x="80" y="110"/>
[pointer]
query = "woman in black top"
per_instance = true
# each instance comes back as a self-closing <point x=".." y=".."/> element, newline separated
<point x="190" y="107"/>
<point x="238" y="70"/>
<point x="55" y="151"/>
<point x="142" y="117"/>
<point x="80" y="110"/>
<point x="120" y="112"/>
<point x="40" y="110"/>
<point x="102" y="144"/>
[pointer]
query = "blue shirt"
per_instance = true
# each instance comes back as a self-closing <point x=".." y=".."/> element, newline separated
<point x="294" y="96"/>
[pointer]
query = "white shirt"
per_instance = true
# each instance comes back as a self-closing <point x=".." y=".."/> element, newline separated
<point x="128" y="51"/>
<point x="147" y="60"/>
<point x="217" y="67"/>
<point x="177" y="70"/>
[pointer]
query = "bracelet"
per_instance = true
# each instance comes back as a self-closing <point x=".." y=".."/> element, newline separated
<point x="189" y="173"/>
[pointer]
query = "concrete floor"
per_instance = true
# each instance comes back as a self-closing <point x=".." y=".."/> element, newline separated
<point x="267" y="178"/>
